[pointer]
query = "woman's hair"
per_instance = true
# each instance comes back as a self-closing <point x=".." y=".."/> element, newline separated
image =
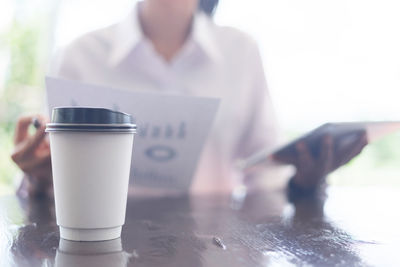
<point x="208" y="6"/>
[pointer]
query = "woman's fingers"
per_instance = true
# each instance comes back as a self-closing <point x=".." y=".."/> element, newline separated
<point x="21" y="130"/>
<point x="36" y="140"/>
<point x="26" y="148"/>
<point x="42" y="174"/>
<point x="310" y="171"/>
<point x="304" y="157"/>
<point x="23" y="123"/>
<point x="354" y="150"/>
<point x="35" y="163"/>
<point x="325" y="160"/>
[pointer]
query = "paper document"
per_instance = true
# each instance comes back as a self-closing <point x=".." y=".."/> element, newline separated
<point x="171" y="129"/>
<point x="343" y="134"/>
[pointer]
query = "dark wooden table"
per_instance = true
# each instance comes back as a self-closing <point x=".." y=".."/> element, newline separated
<point x="350" y="227"/>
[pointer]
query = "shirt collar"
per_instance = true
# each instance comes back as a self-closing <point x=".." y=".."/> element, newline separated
<point x="203" y="35"/>
<point x="129" y="34"/>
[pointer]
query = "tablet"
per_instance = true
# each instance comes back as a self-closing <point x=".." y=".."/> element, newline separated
<point x="342" y="133"/>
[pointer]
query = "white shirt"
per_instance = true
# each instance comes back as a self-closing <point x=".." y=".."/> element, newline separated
<point x="215" y="61"/>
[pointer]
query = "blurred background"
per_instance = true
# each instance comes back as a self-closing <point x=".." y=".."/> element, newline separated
<point x="324" y="61"/>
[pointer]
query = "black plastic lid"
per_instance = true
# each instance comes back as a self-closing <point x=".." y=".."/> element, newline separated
<point x="89" y="119"/>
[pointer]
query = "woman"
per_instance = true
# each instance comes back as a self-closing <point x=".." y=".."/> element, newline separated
<point x="174" y="46"/>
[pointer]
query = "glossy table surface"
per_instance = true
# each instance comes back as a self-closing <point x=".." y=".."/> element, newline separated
<point x="349" y="227"/>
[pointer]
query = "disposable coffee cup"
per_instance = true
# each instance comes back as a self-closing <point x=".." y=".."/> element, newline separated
<point x="91" y="150"/>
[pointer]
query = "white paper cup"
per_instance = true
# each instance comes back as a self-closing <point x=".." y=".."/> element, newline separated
<point x="91" y="160"/>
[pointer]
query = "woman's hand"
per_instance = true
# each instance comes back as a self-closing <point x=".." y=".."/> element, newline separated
<point x="311" y="170"/>
<point x="32" y="155"/>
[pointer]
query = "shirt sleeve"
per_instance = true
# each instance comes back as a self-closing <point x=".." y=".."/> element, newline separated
<point x="261" y="129"/>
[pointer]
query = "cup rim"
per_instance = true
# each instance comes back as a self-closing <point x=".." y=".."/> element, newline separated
<point x="87" y="127"/>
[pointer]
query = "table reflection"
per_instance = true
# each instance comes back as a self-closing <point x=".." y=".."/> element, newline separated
<point x="88" y="254"/>
<point x="36" y="241"/>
